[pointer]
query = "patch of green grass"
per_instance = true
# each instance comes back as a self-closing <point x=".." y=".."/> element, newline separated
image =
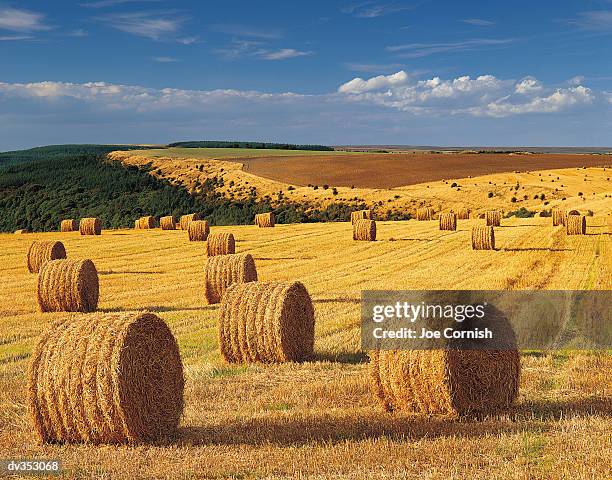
<point x="279" y="407"/>
<point x="533" y="448"/>
<point x="222" y="372"/>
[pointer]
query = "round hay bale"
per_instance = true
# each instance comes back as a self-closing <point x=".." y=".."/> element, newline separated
<point x="576" y="225"/>
<point x="187" y="219"/>
<point x="22" y="231"/>
<point x="90" y="226"/>
<point x="41" y="252"/>
<point x="146" y="223"/>
<point x="220" y="244"/>
<point x="483" y="238"/>
<point x="448" y="221"/>
<point x="463" y="214"/>
<point x="69" y="225"/>
<point x="198" y="231"/>
<point x="445" y="381"/>
<point x="265" y="220"/>
<point x="137" y="224"/>
<point x="364" y="230"/>
<point x="573" y="212"/>
<point x="426" y="213"/>
<point x="266" y="322"/>
<point x="106" y="378"/>
<point x="167" y="223"/>
<point x="493" y="218"/>
<point x="558" y="217"/>
<point x="221" y="271"/>
<point x="361" y="215"/>
<point x="68" y="286"/>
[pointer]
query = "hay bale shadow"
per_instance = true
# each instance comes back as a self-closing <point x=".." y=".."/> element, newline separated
<point x="353" y="358"/>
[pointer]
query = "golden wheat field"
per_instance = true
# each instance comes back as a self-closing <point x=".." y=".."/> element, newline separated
<point x="318" y="419"/>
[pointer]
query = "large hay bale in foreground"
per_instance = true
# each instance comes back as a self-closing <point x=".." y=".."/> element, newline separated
<point x="220" y="244"/>
<point x="265" y="220"/>
<point x="41" y="252"/>
<point x="146" y="223"/>
<point x="483" y="238"/>
<point x="68" y="286"/>
<point x="448" y="221"/>
<point x="576" y="225"/>
<point x="266" y="322"/>
<point x="558" y="217"/>
<point x="185" y="220"/>
<point x="167" y="223"/>
<point x="106" y="378"/>
<point x="463" y="214"/>
<point x="445" y="381"/>
<point x="361" y="215"/>
<point x="198" y="231"/>
<point x="425" y="214"/>
<point x="493" y="218"/>
<point x="69" y="225"/>
<point x="90" y="226"/>
<point x="221" y="271"/>
<point x="364" y="230"/>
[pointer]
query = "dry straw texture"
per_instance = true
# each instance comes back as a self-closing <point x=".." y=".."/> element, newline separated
<point x="43" y="251"/>
<point x="90" y="226"/>
<point x="364" y="230"/>
<point x="576" y="225"/>
<point x="222" y="271"/>
<point x="106" y="378"/>
<point x="493" y="218"/>
<point x="220" y="244"/>
<point x="558" y="217"/>
<point x="463" y="214"/>
<point x="167" y="223"/>
<point x="425" y="213"/>
<point x="483" y="238"/>
<point x="265" y="220"/>
<point x="445" y="381"/>
<point x="68" y="286"/>
<point x="187" y="219"/>
<point x="448" y="221"/>
<point x="69" y="225"/>
<point x="361" y="215"/>
<point x="198" y="231"/>
<point x="266" y="322"/>
<point x="609" y="222"/>
<point x="145" y="223"/>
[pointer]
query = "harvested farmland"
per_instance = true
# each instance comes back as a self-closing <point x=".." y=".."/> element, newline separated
<point x="41" y="252"/>
<point x="221" y="271"/>
<point x="364" y="230"/>
<point x="69" y="225"/>
<point x="90" y="226"/>
<point x="68" y="286"/>
<point x="198" y="230"/>
<point x="220" y="244"/>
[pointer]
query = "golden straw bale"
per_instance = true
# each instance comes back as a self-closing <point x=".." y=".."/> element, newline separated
<point x="69" y="225"/>
<point x="221" y="271"/>
<point x="106" y="378"/>
<point x="43" y="251"/>
<point x="426" y="213"/>
<point x="220" y="244"/>
<point x="493" y="218"/>
<point x="576" y="225"/>
<point x="448" y="221"/>
<point x="137" y="224"/>
<point x="364" y="230"/>
<point x="266" y="322"/>
<point x="558" y="217"/>
<point x="90" y="226"/>
<point x="68" y="286"/>
<point x="145" y="223"/>
<point x="265" y="220"/>
<point x="445" y="381"/>
<point x="167" y="223"/>
<point x="573" y="212"/>
<point x="483" y="238"/>
<point x="22" y="231"/>
<point x="198" y="231"/>
<point x="187" y="219"/>
<point x="463" y="214"/>
<point x="361" y="215"/>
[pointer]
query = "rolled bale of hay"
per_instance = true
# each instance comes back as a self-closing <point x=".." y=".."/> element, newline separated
<point x="463" y="214"/>
<point x="221" y="271"/>
<point x="198" y="231"/>
<point x="220" y="244"/>
<point x="576" y="225"/>
<point x="147" y="222"/>
<point x="364" y="230"/>
<point x="483" y="238"/>
<point x="137" y="224"/>
<point x="41" y="252"/>
<point x="361" y="215"/>
<point x="265" y="220"/>
<point x="573" y="212"/>
<point x="448" y="221"/>
<point x="90" y="226"/>
<point x="167" y="223"/>
<point x="493" y="218"/>
<point x="68" y="286"/>
<point x="69" y="225"/>
<point x="266" y="322"/>
<point x="185" y="220"/>
<point x="426" y="213"/>
<point x="558" y="217"/>
<point x="445" y="381"/>
<point x="22" y="231"/>
<point x="106" y="378"/>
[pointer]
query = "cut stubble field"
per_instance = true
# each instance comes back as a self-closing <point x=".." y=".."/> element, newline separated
<point x="319" y="418"/>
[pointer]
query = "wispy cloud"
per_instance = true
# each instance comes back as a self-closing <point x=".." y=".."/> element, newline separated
<point x="165" y="59"/>
<point x="21" y="20"/>
<point x="155" y="25"/>
<point x="14" y="38"/>
<point x="112" y="3"/>
<point x="479" y="22"/>
<point x="79" y="32"/>
<point x="284" y="54"/>
<point x="247" y="31"/>
<point x="598" y="20"/>
<point x="373" y="9"/>
<point x="256" y="49"/>
<point x="418" y="50"/>
<point x="374" y="67"/>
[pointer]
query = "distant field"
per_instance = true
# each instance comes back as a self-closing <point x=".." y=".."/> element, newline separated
<point x="213" y="153"/>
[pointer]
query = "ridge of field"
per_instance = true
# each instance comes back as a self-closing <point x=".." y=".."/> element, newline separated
<point x="319" y="418"/>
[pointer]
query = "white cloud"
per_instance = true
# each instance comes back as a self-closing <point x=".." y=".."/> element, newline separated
<point x="13" y="38"/>
<point x="112" y="3"/>
<point x="256" y="49"/>
<point x="284" y="53"/>
<point x="599" y="20"/>
<point x="561" y="99"/>
<point x="372" y="9"/>
<point x="165" y="59"/>
<point x="21" y="20"/>
<point x="247" y="31"/>
<point x="359" y="85"/>
<point x="479" y="22"/>
<point x="577" y="80"/>
<point x="419" y="50"/>
<point x="152" y="25"/>
<point x="374" y="67"/>
<point x="528" y="86"/>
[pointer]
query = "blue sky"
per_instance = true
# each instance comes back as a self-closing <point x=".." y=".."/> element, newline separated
<point x="352" y="72"/>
